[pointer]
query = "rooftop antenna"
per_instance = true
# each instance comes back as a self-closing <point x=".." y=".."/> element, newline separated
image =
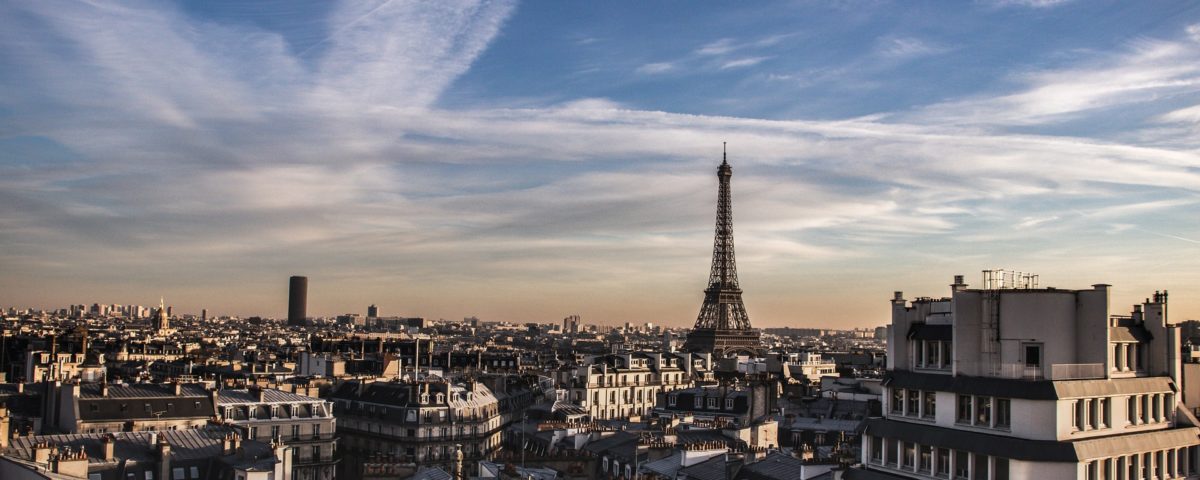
<point x="724" y="157"/>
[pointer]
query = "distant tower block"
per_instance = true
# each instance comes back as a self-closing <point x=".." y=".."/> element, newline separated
<point x="723" y="327"/>
<point x="298" y="300"/>
<point x="372" y="311"/>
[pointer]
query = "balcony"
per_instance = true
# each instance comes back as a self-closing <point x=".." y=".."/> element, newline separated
<point x="1058" y="371"/>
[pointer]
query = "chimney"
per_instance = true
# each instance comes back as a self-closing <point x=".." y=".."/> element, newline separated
<point x="41" y="452"/>
<point x="958" y="284"/>
<point x="108" y="444"/>
<point x="227" y="444"/>
<point x="104" y="389"/>
<point x="897" y="296"/>
<point x="163" y="454"/>
<point x="4" y="435"/>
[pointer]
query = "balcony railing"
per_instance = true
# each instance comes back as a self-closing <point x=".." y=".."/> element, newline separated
<point x="1076" y="371"/>
<point x="1058" y="371"/>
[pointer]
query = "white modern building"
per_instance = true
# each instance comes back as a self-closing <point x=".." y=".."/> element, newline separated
<point x="1013" y="381"/>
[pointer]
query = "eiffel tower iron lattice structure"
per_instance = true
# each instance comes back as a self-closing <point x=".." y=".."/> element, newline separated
<point x="723" y="327"/>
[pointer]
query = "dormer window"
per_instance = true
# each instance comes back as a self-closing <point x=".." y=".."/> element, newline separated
<point x="729" y="404"/>
<point x="671" y="400"/>
<point x="699" y="402"/>
<point x="712" y="402"/>
<point x="425" y="398"/>
<point x="441" y="398"/>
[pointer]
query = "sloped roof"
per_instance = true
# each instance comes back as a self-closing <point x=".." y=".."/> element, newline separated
<point x="270" y="395"/>
<point x="776" y="465"/>
<point x="188" y="444"/>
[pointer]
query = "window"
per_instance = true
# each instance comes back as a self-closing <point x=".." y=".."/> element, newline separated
<point x="316" y="430"/>
<point x="983" y="411"/>
<point x="1131" y="409"/>
<point x="897" y="400"/>
<point x="1105" y="412"/>
<point x="94" y="407"/>
<point x="925" y="459"/>
<point x="195" y="471"/>
<point x="295" y="431"/>
<point x="964" y="409"/>
<point x="671" y="400"/>
<point x="981" y="466"/>
<point x="889" y="452"/>
<point x="729" y="404"/>
<point x="962" y="466"/>
<point x="253" y="433"/>
<point x="699" y="402"/>
<point x="1157" y="408"/>
<point x="1033" y="355"/>
<point x="275" y="431"/>
<point x="1145" y="408"/>
<point x="177" y="473"/>
<point x="943" y="462"/>
<point x="946" y="353"/>
<point x="914" y="402"/>
<point x="919" y="353"/>
<point x="712" y="402"/>
<point x="316" y="452"/>
<point x="930" y="404"/>
<point x="877" y="449"/>
<point x="1168" y="407"/>
<point x="1090" y="414"/>
<point x="1077" y="415"/>
<point x="1003" y="416"/>
<point x="910" y="453"/>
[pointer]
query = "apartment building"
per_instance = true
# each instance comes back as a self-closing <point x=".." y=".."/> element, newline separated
<point x="428" y="421"/>
<point x="620" y="385"/>
<point x="1014" y="381"/>
<point x="304" y="423"/>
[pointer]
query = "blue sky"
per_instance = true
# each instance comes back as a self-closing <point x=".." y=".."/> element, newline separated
<point x="528" y="161"/>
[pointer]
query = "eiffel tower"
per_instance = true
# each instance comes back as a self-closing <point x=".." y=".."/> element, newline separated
<point x="723" y="327"/>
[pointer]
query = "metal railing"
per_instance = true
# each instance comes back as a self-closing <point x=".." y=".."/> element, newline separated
<point x="1076" y="371"/>
<point x="1058" y="371"/>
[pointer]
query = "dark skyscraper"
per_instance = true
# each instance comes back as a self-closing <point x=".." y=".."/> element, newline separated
<point x="372" y="311"/>
<point x="723" y="326"/>
<point x="298" y="300"/>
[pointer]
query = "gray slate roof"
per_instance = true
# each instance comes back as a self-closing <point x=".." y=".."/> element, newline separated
<point x="776" y="465"/>
<point x="270" y="395"/>
<point x="189" y="444"/>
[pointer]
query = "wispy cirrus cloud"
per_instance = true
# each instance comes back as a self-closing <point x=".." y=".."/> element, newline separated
<point x="907" y="47"/>
<point x="1146" y="71"/>
<point x="743" y="62"/>
<point x="655" y="68"/>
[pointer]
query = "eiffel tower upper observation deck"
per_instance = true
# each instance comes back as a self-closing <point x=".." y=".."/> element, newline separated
<point x="723" y="327"/>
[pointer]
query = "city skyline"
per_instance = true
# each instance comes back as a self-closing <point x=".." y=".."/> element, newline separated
<point x="526" y="162"/>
